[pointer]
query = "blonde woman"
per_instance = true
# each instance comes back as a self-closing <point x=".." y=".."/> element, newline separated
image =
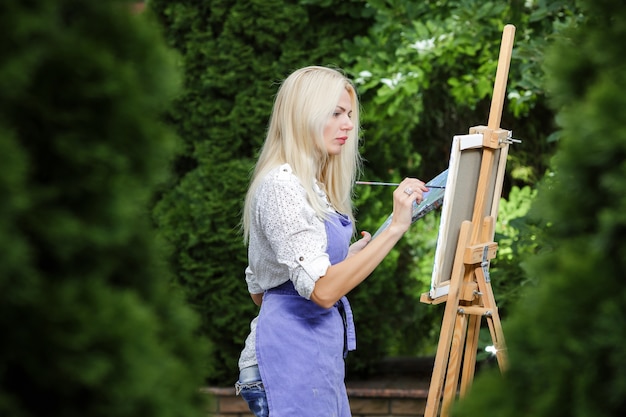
<point x="298" y="223"/>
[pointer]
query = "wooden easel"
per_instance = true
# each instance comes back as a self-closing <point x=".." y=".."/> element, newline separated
<point x="470" y="296"/>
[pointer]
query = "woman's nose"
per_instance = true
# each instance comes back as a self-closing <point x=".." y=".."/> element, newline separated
<point x="347" y="124"/>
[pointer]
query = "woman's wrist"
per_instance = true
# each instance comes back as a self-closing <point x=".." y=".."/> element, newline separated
<point x="396" y="231"/>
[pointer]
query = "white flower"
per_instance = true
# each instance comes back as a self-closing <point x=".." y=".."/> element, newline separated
<point x="392" y="82"/>
<point x="363" y="76"/>
<point x="423" y="45"/>
<point x="514" y="95"/>
<point x="387" y="82"/>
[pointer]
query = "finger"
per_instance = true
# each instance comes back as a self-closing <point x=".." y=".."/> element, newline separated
<point x="407" y="187"/>
<point x="412" y="185"/>
<point x="413" y="190"/>
<point x="417" y="184"/>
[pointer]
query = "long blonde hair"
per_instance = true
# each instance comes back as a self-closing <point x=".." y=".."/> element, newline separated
<point x="304" y="103"/>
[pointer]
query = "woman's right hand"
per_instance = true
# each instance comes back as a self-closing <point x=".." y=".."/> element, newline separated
<point x="410" y="190"/>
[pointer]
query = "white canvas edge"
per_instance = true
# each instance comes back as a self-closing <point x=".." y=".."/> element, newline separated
<point x="459" y="143"/>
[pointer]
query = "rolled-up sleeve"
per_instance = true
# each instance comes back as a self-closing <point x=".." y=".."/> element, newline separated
<point x="295" y="233"/>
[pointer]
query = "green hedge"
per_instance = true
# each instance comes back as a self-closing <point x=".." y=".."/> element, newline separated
<point x="91" y="325"/>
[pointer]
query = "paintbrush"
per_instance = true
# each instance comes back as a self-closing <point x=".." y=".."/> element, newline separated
<point x="391" y="184"/>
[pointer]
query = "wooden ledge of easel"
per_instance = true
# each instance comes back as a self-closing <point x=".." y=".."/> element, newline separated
<point x="425" y="298"/>
<point x="492" y="138"/>
<point x="468" y="292"/>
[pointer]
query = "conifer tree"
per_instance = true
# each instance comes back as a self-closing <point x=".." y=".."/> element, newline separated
<point x="90" y="323"/>
<point x="566" y="338"/>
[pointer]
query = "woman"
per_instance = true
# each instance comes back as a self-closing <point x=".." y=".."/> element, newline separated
<point x="298" y="222"/>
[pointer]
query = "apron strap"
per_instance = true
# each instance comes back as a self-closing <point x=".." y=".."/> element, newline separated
<point x="348" y="323"/>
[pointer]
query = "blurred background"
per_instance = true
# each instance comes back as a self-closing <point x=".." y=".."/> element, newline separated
<point x="128" y="131"/>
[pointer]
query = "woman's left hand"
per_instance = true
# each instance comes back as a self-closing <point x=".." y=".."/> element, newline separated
<point x="359" y="244"/>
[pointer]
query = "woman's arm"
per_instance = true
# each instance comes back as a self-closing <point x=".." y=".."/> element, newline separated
<point x="344" y="276"/>
<point x="257" y="298"/>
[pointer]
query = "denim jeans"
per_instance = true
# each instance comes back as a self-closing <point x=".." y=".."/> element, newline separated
<point x="251" y="389"/>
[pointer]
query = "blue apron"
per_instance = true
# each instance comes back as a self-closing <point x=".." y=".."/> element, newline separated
<point x="301" y="346"/>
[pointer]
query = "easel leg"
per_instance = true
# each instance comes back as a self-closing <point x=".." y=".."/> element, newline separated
<point x="471" y="344"/>
<point x="448" y="325"/>
<point x="469" y="359"/>
<point x="498" y="341"/>
<point x="493" y="320"/>
<point x="454" y="364"/>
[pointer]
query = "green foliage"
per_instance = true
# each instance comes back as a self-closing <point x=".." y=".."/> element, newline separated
<point x="91" y="325"/>
<point x="566" y="337"/>
<point x="424" y="71"/>
<point x="210" y="257"/>
<point x="519" y="239"/>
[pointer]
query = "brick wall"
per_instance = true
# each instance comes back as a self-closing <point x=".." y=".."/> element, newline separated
<point x="364" y="402"/>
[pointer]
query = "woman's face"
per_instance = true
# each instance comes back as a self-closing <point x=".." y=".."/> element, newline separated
<point x="339" y="124"/>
